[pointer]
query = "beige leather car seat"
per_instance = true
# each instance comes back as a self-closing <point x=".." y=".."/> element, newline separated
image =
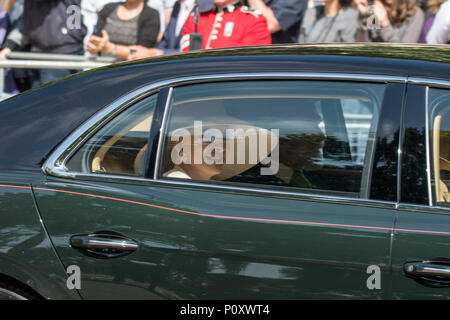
<point x="441" y="156"/>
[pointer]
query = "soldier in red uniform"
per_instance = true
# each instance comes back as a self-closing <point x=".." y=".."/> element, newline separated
<point x="230" y="24"/>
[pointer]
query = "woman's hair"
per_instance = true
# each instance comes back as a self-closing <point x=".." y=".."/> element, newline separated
<point x="400" y="11"/>
<point x="432" y="6"/>
<point x="345" y="3"/>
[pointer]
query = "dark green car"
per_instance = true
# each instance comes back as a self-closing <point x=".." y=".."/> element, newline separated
<point x="279" y="172"/>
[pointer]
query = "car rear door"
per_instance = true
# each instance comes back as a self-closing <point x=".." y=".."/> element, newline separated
<point x="421" y="247"/>
<point x="141" y="224"/>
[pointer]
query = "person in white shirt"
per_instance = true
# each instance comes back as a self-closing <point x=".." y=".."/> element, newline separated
<point x="440" y="30"/>
<point x="186" y="7"/>
<point x="164" y="7"/>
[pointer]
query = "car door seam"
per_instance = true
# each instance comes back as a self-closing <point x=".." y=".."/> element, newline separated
<point x="44" y="227"/>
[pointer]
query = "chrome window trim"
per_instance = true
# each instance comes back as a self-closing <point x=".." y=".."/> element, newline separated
<point x="12" y="295"/>
<point x="427" y="147"/>
<point x="242" y="190"/>
<point x="434" y="83"/>
<point x="278" y="193"/>
<point x="440" y="209"/>
<point x="55" y="164"/>
<point x="407" y="207"/>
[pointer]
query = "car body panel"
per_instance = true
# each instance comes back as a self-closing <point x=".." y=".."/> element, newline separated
<point x="265" y="245"/>
<point x="421" y="229"/>
<point x="26" y="252"/>
<point x="241" y="247"/>
<point x="422" y="234"/>
<point x="172" y="225"/>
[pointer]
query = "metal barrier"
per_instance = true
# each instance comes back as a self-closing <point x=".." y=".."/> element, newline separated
<point x="59" y="57"/>
<point x="31" y="60"/>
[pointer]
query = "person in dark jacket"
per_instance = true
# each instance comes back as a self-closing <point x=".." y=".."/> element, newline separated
<point x="46" y="29"/>
<point x="283" y="17"/>
<point x="9" y="84"/>
<point x="170" y="42"/>
<point x="125" y="28"/>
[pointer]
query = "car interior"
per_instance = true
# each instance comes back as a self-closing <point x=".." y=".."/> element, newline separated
<point x="441" y="154"/>
<point x="123" y="152"/>
<point x="315" y="148"/>
<point x="314" y="145"/>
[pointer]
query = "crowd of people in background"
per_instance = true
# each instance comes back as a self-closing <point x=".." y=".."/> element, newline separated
<point x="134" y="29"/>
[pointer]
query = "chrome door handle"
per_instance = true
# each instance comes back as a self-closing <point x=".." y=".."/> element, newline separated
<point x="103" y="245"/>
<point x="432" y="273"/>
<point x="423" y="269"/>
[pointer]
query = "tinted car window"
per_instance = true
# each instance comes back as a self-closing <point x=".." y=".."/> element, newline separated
<point x="439" y="108"/>
<point x="120" y="146"/>
<point x="308" y="135"/>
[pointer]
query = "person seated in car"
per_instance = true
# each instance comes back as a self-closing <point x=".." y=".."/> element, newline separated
<point x="181" y="161"/>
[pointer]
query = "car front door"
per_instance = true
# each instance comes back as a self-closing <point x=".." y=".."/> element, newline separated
<point x="297" y="217"/>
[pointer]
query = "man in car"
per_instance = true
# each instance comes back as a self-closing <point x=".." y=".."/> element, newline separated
<point x="229" y="24"/>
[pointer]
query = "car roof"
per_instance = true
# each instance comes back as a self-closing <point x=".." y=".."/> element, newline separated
<point x="34" y="123"/>
<point x="402" y="59"/>
<point x="424" y="52"/>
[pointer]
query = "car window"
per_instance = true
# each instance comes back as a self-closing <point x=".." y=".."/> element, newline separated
<point x="310" y="135"/>
<point x="119" y="147"/>
<point x="439" y="108"/>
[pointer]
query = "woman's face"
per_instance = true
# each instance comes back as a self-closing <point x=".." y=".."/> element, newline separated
<point x="203" y="170"/>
